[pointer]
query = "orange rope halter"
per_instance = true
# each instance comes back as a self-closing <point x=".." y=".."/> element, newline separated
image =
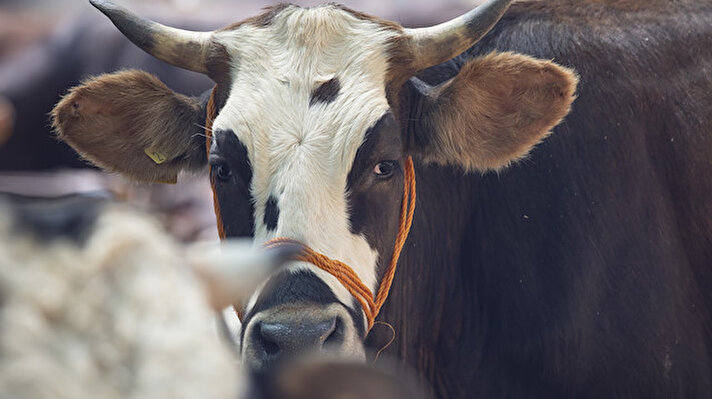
<point x="210" y="113"/>
<point x="344" y="273"/>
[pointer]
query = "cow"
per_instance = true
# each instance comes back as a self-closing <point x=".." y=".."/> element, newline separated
<point x="580" y="271"/>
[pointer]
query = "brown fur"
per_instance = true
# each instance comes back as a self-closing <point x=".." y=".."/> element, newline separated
<point x="263" y="20"/>
<point x="385" y="24"/>
<point x="111" y="119"/>
<point x="495" y="110"/>
<point x="7" y="119"/>
<point x="218" y="63"/>
<point x="400" y="62"/>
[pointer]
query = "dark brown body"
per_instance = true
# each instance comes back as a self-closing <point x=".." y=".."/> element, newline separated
<point x="586" y="269"/>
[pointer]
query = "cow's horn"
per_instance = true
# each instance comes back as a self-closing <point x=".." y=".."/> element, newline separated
<point x="182" y="48"/>
<point x="440" y="43"/>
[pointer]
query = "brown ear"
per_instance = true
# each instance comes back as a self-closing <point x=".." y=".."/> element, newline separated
<point x="492" y="113"/>
<point x="130" y="122"/>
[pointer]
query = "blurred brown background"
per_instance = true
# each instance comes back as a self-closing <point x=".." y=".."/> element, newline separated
<point x="48" y="46"/>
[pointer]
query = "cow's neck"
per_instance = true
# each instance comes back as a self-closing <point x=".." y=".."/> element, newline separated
<point x="432" y="301"/>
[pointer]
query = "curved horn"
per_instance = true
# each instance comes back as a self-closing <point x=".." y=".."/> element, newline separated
<point x="440" y="43"/>
<point x="182" y="48"/>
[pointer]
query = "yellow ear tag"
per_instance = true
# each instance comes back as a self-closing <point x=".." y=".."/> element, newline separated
<point x="156" y="155"/>
<point x="159" y="158"/>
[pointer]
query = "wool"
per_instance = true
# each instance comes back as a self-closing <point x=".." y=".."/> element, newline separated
<point x="119" y="316"/>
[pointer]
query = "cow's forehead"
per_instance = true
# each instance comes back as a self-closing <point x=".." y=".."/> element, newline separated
<point x="277" y="67"/>
<point x="323" y="40"/>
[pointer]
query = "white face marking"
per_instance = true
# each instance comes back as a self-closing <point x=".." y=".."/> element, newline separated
<point x="302" y="154"/>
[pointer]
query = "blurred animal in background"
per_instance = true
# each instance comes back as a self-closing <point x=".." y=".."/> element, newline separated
<point x="324" y="377"/>
<point x="580" y="272"/>
<point x="96" y="300"/>
<point x="7" y="119"/>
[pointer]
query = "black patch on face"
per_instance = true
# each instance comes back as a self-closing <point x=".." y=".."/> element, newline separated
<point x="326" y="92"/>
<point x="233" y="194"/>
<point x="271" y="213"/>
<point x="374" y="202"/>
<point x="70" y="218"/>
<point x="297" y="287"/>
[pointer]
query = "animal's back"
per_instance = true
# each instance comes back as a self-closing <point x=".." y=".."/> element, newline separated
<point x="593" y="257"/>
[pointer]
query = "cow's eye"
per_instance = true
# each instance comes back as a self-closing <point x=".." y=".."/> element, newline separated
<point x="222" y="171"/>
<point x="384" y="169"/>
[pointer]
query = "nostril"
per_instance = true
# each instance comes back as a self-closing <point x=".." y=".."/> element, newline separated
<point x="328" y="329"/>
<point x="277" y="339"/>
<point x="270" y="335"/>
<point x="270" y="348"/>
<point x="334" y="335"/>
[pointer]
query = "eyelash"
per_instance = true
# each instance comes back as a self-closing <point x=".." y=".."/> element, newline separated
<point x="222" y="171"/>
<point x="384" y="169"/>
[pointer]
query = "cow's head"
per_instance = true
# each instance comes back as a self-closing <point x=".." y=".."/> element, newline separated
<point x="318" y="112"/>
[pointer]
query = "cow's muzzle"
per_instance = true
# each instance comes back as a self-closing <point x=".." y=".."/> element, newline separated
<point x="290" y="331"/>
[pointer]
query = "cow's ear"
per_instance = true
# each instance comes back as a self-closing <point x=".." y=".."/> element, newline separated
<point x="489" y="115"/>
<point x="131" y="123"/>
